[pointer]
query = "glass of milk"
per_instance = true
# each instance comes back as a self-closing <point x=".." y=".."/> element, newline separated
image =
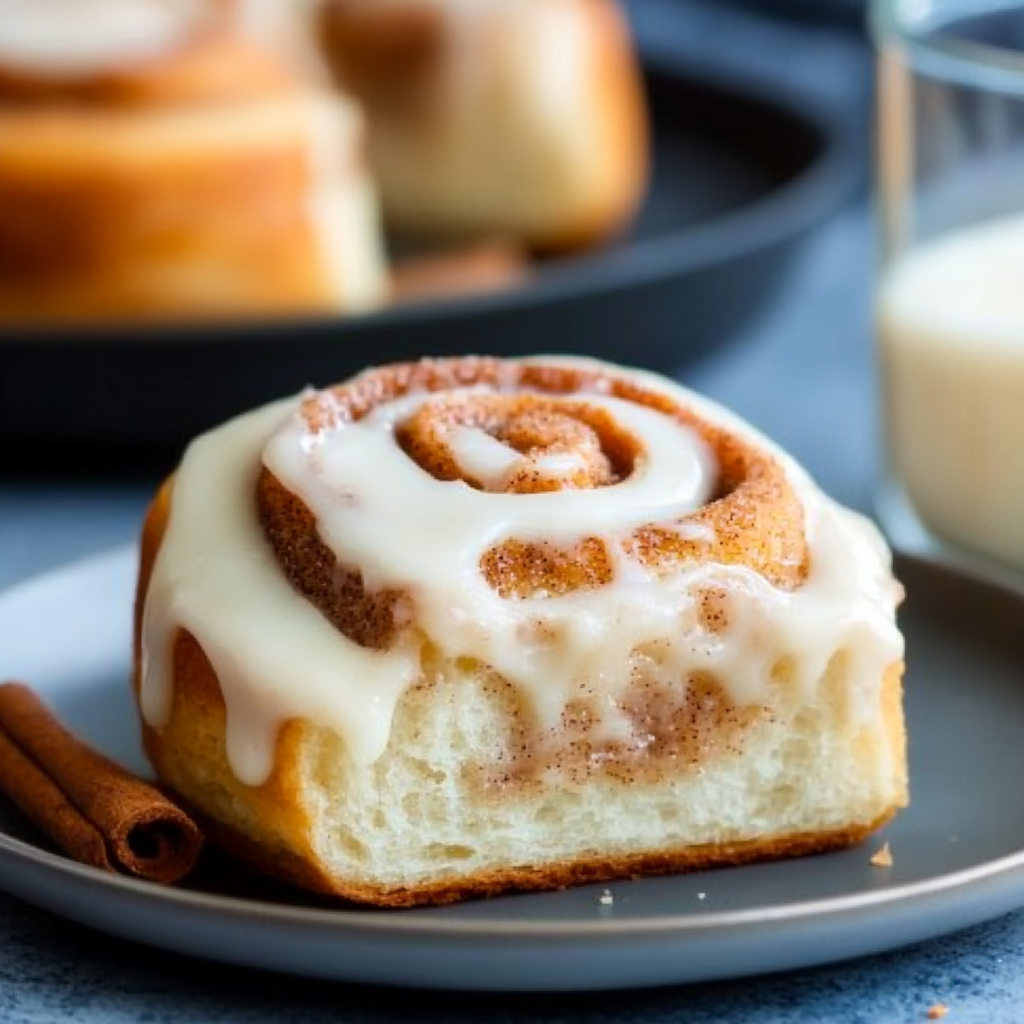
<point x="950" y="310"/>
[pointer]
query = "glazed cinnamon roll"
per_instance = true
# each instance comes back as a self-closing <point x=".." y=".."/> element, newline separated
<point x="499" y="117"/>
<point x="465" y="626"/>
<point x="157" y="160"/>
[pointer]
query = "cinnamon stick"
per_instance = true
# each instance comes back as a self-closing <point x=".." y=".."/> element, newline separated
<point x="91" y="808"/>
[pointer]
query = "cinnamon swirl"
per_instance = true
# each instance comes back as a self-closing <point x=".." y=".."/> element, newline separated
<point x="501" y="117"/>
<point x="464" y="626"/>
<point x="156" y="159"/>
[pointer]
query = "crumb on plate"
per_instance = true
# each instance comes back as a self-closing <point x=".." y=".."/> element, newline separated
<point x="883" y="858"/>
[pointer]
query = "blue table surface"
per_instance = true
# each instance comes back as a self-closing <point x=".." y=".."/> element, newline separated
<point x="804" y="374"/>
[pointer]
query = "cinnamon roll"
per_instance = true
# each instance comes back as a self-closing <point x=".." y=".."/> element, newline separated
<point x="464" y="626"/>
<point x="156" y="159"/>
<point x="499" y="117"/>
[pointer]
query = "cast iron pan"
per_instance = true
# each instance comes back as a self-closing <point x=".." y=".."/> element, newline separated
<point x="742" y="170"/>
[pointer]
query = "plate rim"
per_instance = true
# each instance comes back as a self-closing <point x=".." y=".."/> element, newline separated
<point x="407" y="922"/>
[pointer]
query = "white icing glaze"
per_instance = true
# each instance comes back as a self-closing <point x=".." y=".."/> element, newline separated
<point x="278" y="658"/>
<point x="216" y="578"/>
<point x="75" y="37"/>
<point x="483" y="457"/>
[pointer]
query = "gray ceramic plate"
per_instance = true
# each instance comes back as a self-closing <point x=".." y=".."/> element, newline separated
<point x="959" y="850"/>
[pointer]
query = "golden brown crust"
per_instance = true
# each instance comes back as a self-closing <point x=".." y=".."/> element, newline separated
<point x="527" y="878"/>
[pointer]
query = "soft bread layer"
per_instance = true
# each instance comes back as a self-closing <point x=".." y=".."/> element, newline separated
<point x="467" y="800"/>
<point x="519" y="119"/>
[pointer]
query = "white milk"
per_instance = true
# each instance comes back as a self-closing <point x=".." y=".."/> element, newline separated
<point x="951" y="321"/>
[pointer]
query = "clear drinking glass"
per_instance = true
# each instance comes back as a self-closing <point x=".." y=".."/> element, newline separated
<point x="950" y="310"/>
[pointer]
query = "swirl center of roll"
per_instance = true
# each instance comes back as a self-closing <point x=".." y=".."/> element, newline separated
<point x="445" y="485"/>
<point x="518" y="444"/>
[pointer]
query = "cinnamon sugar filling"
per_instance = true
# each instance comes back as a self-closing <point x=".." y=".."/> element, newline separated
<point x="554" y="440"/>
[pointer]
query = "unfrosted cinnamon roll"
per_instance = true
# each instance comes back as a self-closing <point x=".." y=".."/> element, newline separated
<point x="497" y="116"/>
<point x="465" y="626"/>
<point x="157" y="160"/>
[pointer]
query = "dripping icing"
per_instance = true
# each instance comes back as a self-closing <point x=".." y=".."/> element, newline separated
<point x="216" y="577"/>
